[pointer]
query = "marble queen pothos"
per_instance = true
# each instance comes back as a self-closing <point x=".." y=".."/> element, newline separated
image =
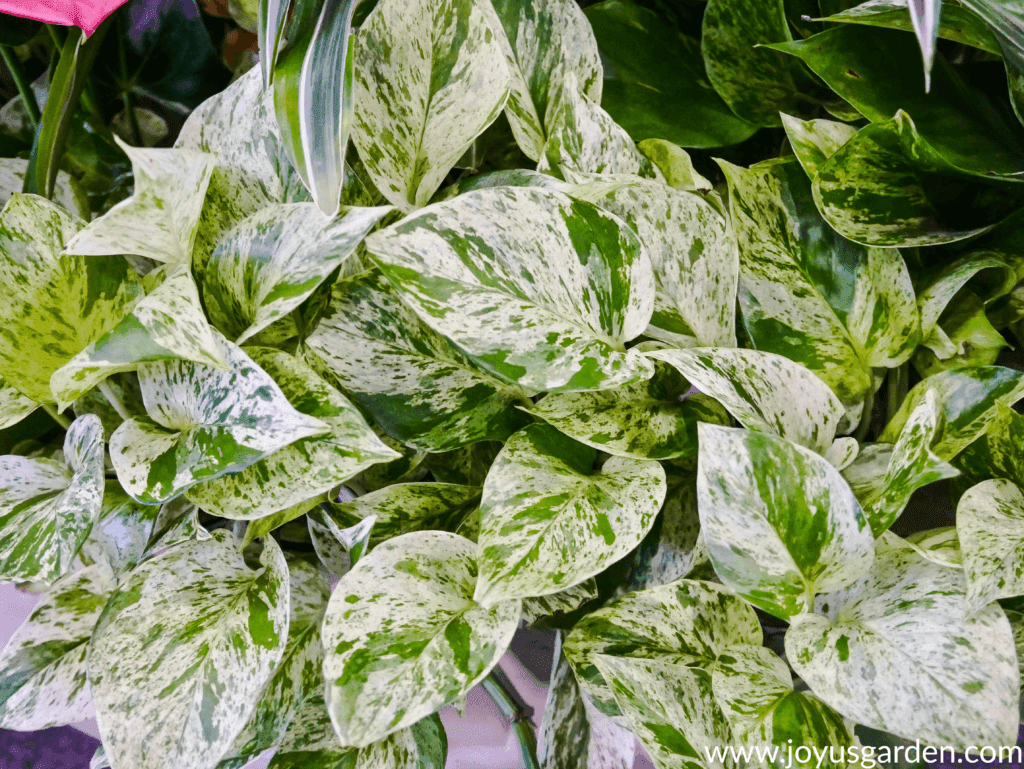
<point x="482" y="344"/>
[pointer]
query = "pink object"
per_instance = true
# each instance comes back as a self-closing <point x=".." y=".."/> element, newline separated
<point x="86" y="14"/>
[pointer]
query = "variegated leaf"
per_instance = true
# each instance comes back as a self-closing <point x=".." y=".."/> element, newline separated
<point x="654" y="419"/>
<point x="424" y="745"/>
<point x="339" y="546"/>
<point x="47" y="508"/>
<point x="583" y="137"/>
<point x="166" y="324"/>
<point x="404" y="637"/>
<point x="42" y="670"/>
<point x="754" y="689"/>
<point x="862" y="653"/>
<point x="564" y="285"/>
<point x="839" y="324"/>
<point x="543" y="42"/>
<point x="988" y="522"/>
<point x="297" y="677"/>
<point x="676" y="166"/>
<point x="176" y="522"/>
<point x="183" y="649"/>
<point x="764" y="391"/>
<point x="692" y="250"/>
<point x="684" y="623"/>
<point x="573" y="732"/>
<point x="941" y="545"/>
<point x="429" y="77"/>
<point x="968" y="400"/>
<point x="205" y="423"/>
<point x="161" y="219"/>
<point x="815" y="141"/>
<point x="966" y="329"/>
<point x="414" y="383"/>
<point x="562" y="602"/>
<point x="467" y="466"/>
<point x="50" y="308"/>
<point x="122" y="530"/>
<point x="779" y="522"/>
<point x="911" y="466"/>
<point x="311" y="466"/>
<point x="13" y="405"/>
<point x="999" y="452"/>
<point x="549" y="520"/>
<point x="67" y="192"/>
<point x="270" y="262"/>
<point x="670" y="708"/>
<point x="842" y="453"/>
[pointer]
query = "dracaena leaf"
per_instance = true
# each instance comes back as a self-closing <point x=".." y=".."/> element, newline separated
<point x="43" y="668"/>
<point x="542" y="43"/>
<point x="194" y="625"/>
<point x="412" y="125"/>
<point x="47" y="507"/>
<point x="414" y="383"/>
<point x="161" y="219"/>
<point x="203" y="423"/>
<point x="272" y="261"/>
<point x="779" y="521"/>
<point x="52" y="307"/>
<point x="565" y="284"/>
<point x="302" y="471"/>
<point x="549" y="521"/>
<point x="403" y="635"/>
<point x="988" y="522"/>
<point x="862" y="654"/>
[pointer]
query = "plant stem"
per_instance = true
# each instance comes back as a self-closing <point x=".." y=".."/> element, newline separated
<point x="114" y="400"/>
<point x="865" y="419"/>
<point x="516" y="715"/>
<point x="126" y="94"/>
<point x="59" y="418"/>
<point x="28" y="98"/>
<point x="899" y="377"/>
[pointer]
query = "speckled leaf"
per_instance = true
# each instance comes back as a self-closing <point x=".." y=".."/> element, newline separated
<point x="815" y="141"/>
<point x="66" y="190"/>
<point x="13" y="405"/>
<point x="424" y="745"/>
<point x="176" y="522"/>
<point x="50" y="308"/>
<point x="583" y="137"/>
<point x="305" y="469"/>
<point x="755" y="82"/>
<point x="794" y="302"/>
<point x="940" y="545"/>
<point x="754" y="688"/>
<point x="548" y="520"/>
<point x="160" y="220"/>
<point x="562" y="602"/>
<point x="894" y="652"/>
<point x="47" y="508"/>
<point x="42" y="669"/>
<point x="968" y="400"/>
<point x="670" y="708"/>
<point x="403" y="635"/>
<point x="166" y="324"/>
<point x="122" y="530"/>
<point x="430" y="77"/>
<point x="999" y="452"/>
<point x="764" y="391"/>
<point x="205" y="423"/>
<point x="338" y="546"/>
<point x="966" y="328"/>
<point x="183" y="649"/>
<point x="575" y="733"/>
<point x="911" y="466"/>
<point x="270" y="262"/>
<point x="297" y="676"/>
<point x="779" y="522"/>
<point x="692" y="250"/>
<point x="467" y="466"/>
<point x="414" y="383"/>
<point x="988" y="521"/>
<point x="676" y="166"/>
<point x="655" y="419"/>
<point x="564" y="285"/>
<point x="1006" y="21"/>
<point x="685" y="623"/>
<point x="542" y="42"/>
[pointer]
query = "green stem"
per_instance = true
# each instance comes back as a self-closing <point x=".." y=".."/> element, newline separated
<point x="56" y="37"/>
<point x="865" y="419"/>
<point x="126" y="94"/>
<point x="114" y="400"/>
<point x="516" y="715"/>
<point x="28" y="98"/>
<point x="59" y="418"/>
<point x="899" y="378"/>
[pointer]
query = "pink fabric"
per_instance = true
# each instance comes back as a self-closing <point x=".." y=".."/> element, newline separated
<point x="86" y="14"/>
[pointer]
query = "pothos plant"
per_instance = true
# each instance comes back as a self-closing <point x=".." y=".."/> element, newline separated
<point x="506" y="361"/>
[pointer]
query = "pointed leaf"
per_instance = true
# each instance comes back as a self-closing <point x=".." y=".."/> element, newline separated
<point x="305" y="469"/>
<point x="924" y="15"/>
<point x="122" y="530"/>
<point x="779" y="521"/>
<point x="183" y="649"/>
<point x="42" y="669"/>
<point x="337" y="546"/>
<point x="988" y="521"/>
<point x="548" y="521"/>
<point x="999" y="452"/>
<point x="815" y="141"/>
<point x="13" y="405"/>
<point x="866" y="659"/>
<point x="206" y="423"/>
<point x="430" y="77"/>
<point x="404" y="636"/>
<point x="565" y="284"/>
<point x="411" y="380"/>
<point x="562" y="602"/>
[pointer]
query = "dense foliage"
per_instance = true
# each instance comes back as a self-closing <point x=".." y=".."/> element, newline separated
<point x="434" y="302"/>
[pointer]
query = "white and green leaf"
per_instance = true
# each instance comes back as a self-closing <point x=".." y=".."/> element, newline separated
<point x="988" y="522"/>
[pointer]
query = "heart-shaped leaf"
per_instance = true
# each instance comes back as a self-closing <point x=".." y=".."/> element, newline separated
<point x="988" y="521"/>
